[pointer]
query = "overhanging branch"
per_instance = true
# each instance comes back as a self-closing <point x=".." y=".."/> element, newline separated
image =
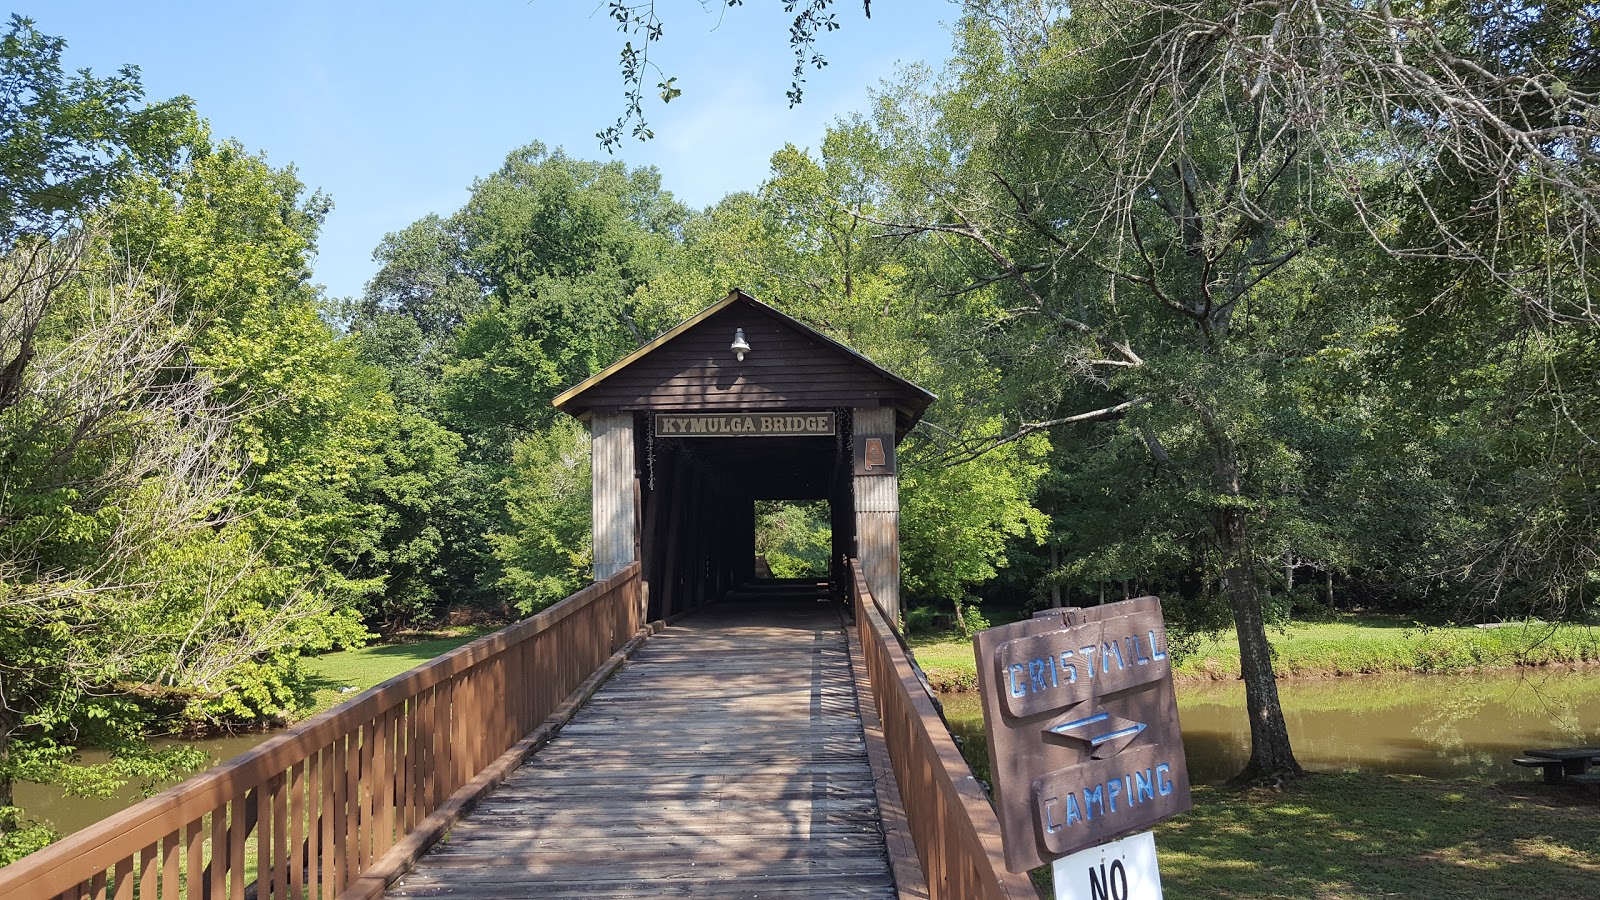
<point x="968" y="450"/>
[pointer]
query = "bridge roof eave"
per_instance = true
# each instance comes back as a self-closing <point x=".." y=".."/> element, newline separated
<point x="909" y="399"/>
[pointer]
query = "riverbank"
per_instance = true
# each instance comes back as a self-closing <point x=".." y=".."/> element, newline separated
<point x="337" y="677"/>
<point x="1356" y="836"/>
<point x="1350" y="646"/>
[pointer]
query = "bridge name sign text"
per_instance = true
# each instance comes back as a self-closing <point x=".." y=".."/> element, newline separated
<point x="804" y="424"/>
<point x="1083" y="729"/>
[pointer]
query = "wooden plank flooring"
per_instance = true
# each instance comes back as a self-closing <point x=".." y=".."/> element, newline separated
<point x="724" y="760"/>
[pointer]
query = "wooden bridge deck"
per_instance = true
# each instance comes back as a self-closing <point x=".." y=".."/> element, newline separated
<point x="726" y="759"/>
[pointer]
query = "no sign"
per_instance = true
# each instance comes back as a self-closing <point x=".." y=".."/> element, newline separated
<point x="1120" y="870"/>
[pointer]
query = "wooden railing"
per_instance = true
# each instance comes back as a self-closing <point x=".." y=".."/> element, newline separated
<point x="952" y="823"/>
<point x="332" y="807"/>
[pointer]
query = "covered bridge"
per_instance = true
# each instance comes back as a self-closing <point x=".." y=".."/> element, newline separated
<point x="742" y="403"/>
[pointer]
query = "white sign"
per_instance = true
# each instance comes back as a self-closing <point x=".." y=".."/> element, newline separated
<point x="1120" y="870"/>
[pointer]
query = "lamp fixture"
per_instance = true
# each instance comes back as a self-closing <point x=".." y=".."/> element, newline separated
<point x="740" y="346"/>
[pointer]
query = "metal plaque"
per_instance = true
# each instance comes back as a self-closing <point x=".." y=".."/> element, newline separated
<point x="875" y="454"/>
<point x="1084" y="740"/>
<point x="784" y="424"/>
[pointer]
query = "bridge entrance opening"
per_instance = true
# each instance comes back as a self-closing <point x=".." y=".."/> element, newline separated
<point x="739" y="412"/>
<point x="715" y="509"/>
<point x="794" y="539"/>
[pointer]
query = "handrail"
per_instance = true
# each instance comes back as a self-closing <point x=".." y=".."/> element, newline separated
<point x="952" y="823"/>
<point x="327" y="799"/>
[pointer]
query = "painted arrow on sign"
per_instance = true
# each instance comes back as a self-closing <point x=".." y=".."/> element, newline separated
<point x="1101" y="733"/>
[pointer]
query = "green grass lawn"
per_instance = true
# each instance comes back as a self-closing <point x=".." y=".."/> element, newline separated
<point x="1352" y="837"/>
<point x="946" y="659"/>
<point x="1349" y="646"/>
<point x="1370" y="645"/>
<point x="336" y="677"/>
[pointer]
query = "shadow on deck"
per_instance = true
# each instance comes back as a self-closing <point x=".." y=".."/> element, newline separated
<point x="725" y="759"/>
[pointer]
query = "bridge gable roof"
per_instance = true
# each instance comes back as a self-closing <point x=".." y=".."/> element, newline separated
<point x="790" y="366"/>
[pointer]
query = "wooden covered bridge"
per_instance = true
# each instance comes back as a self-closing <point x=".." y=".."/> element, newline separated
<point x="680" y="727"/>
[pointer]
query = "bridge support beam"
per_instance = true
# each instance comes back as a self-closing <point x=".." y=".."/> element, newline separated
<point x="614" y="512"/>
<point x="877" y="495"/>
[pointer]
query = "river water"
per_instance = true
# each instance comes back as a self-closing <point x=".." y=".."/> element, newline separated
<point x="46" y="803"/>
<point x="1443" y="726"/>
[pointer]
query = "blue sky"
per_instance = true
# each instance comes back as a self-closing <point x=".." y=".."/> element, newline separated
<point x="393" y="108"/>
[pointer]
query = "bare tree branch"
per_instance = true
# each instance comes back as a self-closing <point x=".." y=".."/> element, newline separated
<point x="970" y="449"/>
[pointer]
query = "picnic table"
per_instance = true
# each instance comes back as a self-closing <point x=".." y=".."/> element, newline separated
<point x="1560" y="763"/>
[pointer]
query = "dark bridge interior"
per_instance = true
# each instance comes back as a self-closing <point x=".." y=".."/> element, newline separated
<point x="698" y="531"/>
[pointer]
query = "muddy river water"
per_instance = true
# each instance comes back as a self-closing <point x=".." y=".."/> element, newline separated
<point x="1443" y="726"/>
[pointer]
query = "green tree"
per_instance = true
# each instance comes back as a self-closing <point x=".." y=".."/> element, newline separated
<point x="423" y="279"/>
<point x="479" y="320"/>
<point x="77" y="449"/>
<point x="66" y="141"/>
<point x="130" y="586"/>
<point x="182" y="457"/>
<point x="236" y="236"/>
<point x="958" y="521"/>
<point x="803" y="243"/>
<point x="1177" y="206"/>
<point x="794" y="538"/>
<point x="545" y="552"/>
<point x="1163" y="313"/>
<point x="560" y="245"/>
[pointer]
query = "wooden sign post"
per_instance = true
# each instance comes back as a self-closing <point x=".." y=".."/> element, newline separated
<point x="1084" y="741"/>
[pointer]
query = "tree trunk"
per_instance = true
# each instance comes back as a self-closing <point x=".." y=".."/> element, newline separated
<point x="11" y="374"/>
<point x="1270" y="751"/>
<point x="1055" y="566"/>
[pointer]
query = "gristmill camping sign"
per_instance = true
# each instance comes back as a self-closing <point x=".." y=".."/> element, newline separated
<point x="1083" y="730"/>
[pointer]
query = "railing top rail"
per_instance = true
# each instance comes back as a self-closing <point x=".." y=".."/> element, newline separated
<point x="128" y="831"/>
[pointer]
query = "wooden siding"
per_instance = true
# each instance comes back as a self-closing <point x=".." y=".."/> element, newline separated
<point x="785" y="369"/>
<point x="725" y="759"/>
<point x="877" y="504"/>
<point x="613" y="514"/>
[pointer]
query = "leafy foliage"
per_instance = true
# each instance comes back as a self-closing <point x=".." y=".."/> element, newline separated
<point x="18" y="837"/>
<point x="66" y="141"/>
<point x="640" y="20"/>
<point x="546" y="552"/>
<point x="479" y="320"/>
<point x="181" y="436"/>
<point x="796" y="539"/>
<point x="1203" y="320"/>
